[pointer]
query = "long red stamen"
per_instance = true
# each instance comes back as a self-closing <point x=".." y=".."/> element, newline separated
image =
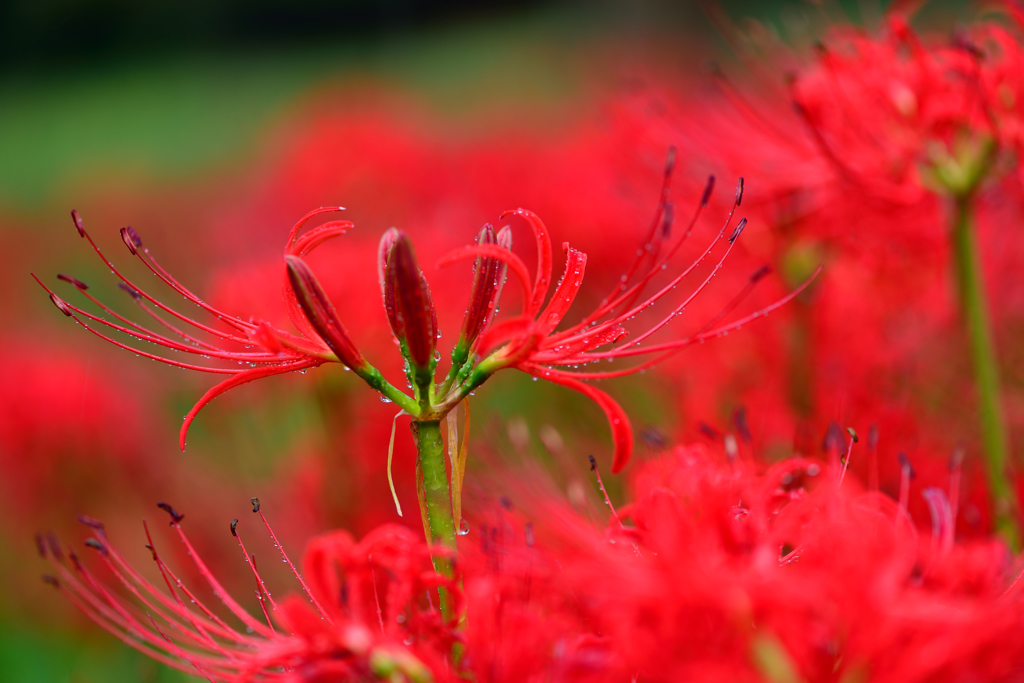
<point x="284" y="556"/>
<point x="241" y="326"/>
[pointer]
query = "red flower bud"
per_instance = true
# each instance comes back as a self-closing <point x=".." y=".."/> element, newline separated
<point x="488" y="279"/>
<point x="408" y="303"/>
<point x="320" y="312"/>
<point x="387" y="240"/>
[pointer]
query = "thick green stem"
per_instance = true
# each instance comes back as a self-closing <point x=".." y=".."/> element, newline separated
<point x="435" y="497"/>
<point x="974" y="307"/>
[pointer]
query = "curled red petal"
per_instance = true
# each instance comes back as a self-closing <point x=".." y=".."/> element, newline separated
<point x="302" y="221"/>
<point x="317" y="236"/>
<point x="499" y="333"/>
<point x="238" y="380"/>
<point x="488" y="276"/>
<point x="622" y="430"/>
<point x="323" y="564"/>
<point x="544" y="257"/>
<point x="566" y="291"/>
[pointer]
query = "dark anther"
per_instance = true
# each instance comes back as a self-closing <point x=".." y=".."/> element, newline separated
<point x="90" y="522"/>
<point x="668" y="215"/>
<point x="670" y="161"/>
<point x="136" y="240"/>
<point x="905" y="464"/>
<point x="131" y="239"/>
<point x="853" y="434"/>
<point x="41" y="545"/>
<point x="593" y="463"/>
<point x="78" y="223"/>
<point x="255" y="504"/>
<point x="709" y="431"/>
<point x="96" y="545"/>
<point x="761" y="273"/>
<point x="51" y="580"/>
<point x="76" y="282"/>
<point x="75" y="561"/>
<point x="175" y="516"/>
<point x="54" y="544"/>
<point x="739" y="192"/>
<point x="833" y="437"/>
<point x="654" y="439"/>
<point x="131" y="290"/>
<point x="506" y="502"/>
<point x="61" y="305"/>
<point x="962" y="42"/>
<point x="739" y="418"/>
<point x="739" y="228"/>
<point x="234" y="523"/>
<point x="873" y="436"/>
<point x="708" y="189"/>
<point x="956" y="458"/>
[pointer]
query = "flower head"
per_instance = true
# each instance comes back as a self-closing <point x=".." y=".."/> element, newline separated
<point x="530" y="341"/>
<point x="361" y="614"/>
<point x="898" y="118"/>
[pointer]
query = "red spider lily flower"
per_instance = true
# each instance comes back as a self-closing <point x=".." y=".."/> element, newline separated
<point x="361" y="614"/>
<point x="528" y="342"/>
<point x="732" y="570"/>
<point x="266" y="349"/>
<point x="898" y="119"/>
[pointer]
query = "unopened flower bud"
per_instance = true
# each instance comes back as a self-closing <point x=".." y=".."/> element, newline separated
<point x="488" y="279"/>
<point x="407" y="300"/>
<point x="387" y="240"/>
<point x="320" y="312"/>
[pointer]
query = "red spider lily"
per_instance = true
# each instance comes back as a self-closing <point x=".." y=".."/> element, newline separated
<point x="724" y="570"/>
<point x="359" y="602"/>
<point x="266" y="349"/>
<point x="718" y="569"/>
<point x="529" y="342"/>
<point x="898" y="119"/>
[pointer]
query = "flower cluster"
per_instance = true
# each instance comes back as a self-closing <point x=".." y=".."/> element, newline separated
<point x="898" y="119"/>
<point x="721" y="568"/>
<point x="364" y="609"/>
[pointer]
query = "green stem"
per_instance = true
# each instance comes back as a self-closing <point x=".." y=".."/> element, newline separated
<point x="372" y="376"/>
<point x="435" y="497"/>
<point x="974" y="306"/>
